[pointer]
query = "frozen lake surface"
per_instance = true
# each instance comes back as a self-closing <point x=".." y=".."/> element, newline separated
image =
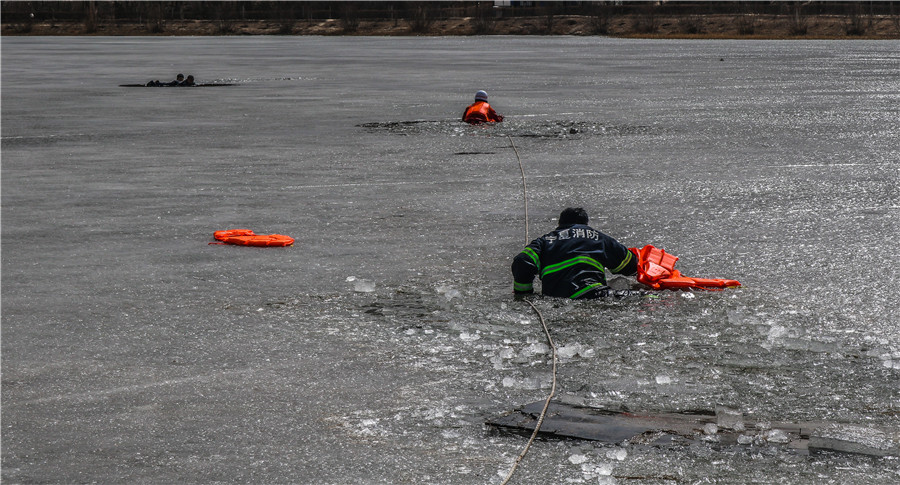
<point x="375" y="348"/>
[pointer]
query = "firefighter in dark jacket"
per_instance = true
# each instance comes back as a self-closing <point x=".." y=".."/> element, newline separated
<point x="571" y="260"/>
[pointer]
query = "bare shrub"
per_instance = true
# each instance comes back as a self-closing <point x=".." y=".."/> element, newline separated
<point x="647" y="22"/>
<point x="349" y="17"/>
<point x="746" y="23"/>
<point x="691" y="24"/>
<point x="225" y="27"/>
<point x="224" y="15"/>
<point x="22" y="28"/>
<point x="90" y="18"/>
<point x="286" y="18"/>
<point x="152" y="17"/>
<point x="421" y="17"/>
<point x="798" y="24"/>
<point x="856" y="23"/>
<point x="600" y="18"/>
<point x="549" y="18"/>
<point x="895" y="18"/>
<point x="286" y="27"/>
<point x="484" y="22"/>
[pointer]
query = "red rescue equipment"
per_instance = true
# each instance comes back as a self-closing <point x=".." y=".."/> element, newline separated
<point x="656" y="269"/>
<point x="246" y="237"/>
<point x="481" y="112"/>
<point x="221" y="235"/>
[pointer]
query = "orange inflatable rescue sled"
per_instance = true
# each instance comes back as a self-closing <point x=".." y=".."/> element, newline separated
<point x="656" y="269"/>
<point x="246" y="237"/>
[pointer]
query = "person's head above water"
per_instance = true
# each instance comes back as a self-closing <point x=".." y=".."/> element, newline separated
<point x="481" y="96"/>
<point x="179" y="77"/>
<point x="573" y="215"/>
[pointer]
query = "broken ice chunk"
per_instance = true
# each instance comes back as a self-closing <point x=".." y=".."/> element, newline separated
<point x="728" y="418"/>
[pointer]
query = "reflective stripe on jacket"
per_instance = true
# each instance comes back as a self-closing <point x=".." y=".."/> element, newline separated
<point x="572" y="262"/>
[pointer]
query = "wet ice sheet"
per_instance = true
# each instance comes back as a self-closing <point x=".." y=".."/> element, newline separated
<point x="526" y="128"/>
<point x="375" y="348"/>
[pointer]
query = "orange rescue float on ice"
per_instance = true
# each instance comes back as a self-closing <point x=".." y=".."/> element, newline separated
<point x="656" y="269"/>
<point x="246" y="237"/>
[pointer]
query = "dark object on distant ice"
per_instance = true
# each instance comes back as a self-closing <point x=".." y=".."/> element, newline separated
<point x="165" y="85"/>
<point x="179" y="82"/>
<point x="671" y="429"/>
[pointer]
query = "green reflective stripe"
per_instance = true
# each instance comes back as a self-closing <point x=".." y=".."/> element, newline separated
<point x="624" y="262"/>
<point x="571" y="262"/>
<point x="523" y="286"/>
<point x="585" y="290"/>
<point x="533" y="255"/>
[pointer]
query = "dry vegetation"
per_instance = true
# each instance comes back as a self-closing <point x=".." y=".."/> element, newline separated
<point x="638" y="19"/>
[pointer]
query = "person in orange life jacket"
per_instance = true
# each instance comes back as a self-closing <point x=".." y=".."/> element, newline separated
<point x="570" y="260"/>
<point x="480" y="111"/>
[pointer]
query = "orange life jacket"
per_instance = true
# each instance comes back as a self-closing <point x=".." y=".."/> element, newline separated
<point x="481" y="112"/>
<point x="246" y="237"/>
<point x="656" y="269"/>
<point x="221" y="235"/>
